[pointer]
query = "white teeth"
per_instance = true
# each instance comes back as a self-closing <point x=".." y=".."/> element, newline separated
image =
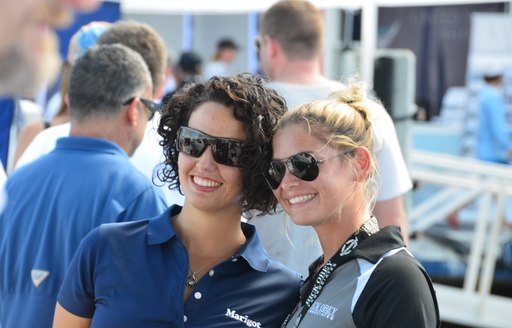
<point x="206" y="183"/>
<point x="301" y="199"/>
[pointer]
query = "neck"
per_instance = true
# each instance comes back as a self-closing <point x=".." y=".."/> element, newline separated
<point x="101" y="130"/>
<point x="299" y="72"/>
<point x="335" y="233"/>
<point x="208" y="235"/>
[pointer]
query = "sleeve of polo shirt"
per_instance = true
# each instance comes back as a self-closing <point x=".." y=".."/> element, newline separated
<point x="77" y="290"/>
<point x="149" y="203"/>
<point x="399" y="293"/>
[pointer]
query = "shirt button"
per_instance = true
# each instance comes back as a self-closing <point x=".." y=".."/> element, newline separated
<point x="211" y="273"/>
<point x="185" y="318"/>
<point x="197" y="295"/>
<point x="234" y="259"/>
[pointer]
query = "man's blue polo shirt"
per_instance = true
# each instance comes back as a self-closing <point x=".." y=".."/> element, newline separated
<point x="133" y="275"/>
<point x="52" y="204"/>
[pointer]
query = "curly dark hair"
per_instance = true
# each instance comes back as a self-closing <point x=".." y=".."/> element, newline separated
<point x="255" y="105"/>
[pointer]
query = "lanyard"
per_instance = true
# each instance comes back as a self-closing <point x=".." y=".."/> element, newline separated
<point x="367" y="229"/>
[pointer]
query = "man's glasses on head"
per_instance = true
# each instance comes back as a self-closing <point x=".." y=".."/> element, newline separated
<point x="152" y="106"/>
<point x="257" y="45"/>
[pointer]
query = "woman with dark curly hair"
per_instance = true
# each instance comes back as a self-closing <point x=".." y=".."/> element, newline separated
<point x="196" y="265"/>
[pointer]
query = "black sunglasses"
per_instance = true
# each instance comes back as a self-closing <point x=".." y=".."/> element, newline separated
<point x="257" y="45"/>
<point x="152" y="106"/>
<point x="302" y="165"/>
<point x="225" y="151"/>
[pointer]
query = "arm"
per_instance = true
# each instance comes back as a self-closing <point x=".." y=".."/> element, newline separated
<point x="65" y="319"/>
<point x="392" y="212"/>
<point x="393" y="177"/>
<point x="25" y="137"/>
<point x="76" y="298"/>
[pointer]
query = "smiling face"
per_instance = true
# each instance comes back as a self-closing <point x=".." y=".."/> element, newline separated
<point x="321" y="201"/>
<point x="208" y="185"/>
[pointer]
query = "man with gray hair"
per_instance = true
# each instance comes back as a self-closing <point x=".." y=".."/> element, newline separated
<point x="142" y="38"/>
<point x="87" y="180"/>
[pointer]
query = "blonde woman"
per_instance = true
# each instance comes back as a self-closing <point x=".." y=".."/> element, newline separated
<point x="322" y="173"/>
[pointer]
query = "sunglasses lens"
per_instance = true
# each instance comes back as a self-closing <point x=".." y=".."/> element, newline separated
<point x="275" y="173"/>
<point x="227" y="152"/>
<point x="151" y="106"/>
<point x="191" y="142"/>
<point x="304" y="166"/>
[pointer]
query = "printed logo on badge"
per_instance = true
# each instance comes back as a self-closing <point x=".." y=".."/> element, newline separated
<point x="38" y="276"/>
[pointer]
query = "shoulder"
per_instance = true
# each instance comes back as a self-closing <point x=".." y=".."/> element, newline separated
<point x="405" y="295"/>
<point x="402" y="270"/>
<point x="114" y="237"/>
<point x="123" y="230"/>
<point x="293" y="277"/>
<point x="401" y="285"/>
<point x="258" y="258"/>
<point x="43" y="143"/>
<point x="382" y="123"/>
<point x="29" y="131"/>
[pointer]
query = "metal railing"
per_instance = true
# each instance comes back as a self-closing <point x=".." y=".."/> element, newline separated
<point x="461" y="181"/>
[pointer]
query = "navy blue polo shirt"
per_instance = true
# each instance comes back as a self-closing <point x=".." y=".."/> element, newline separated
<point x="54" y="202"/>
<point x="133" y="275"/>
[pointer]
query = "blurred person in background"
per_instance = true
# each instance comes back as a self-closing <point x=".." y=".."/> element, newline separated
<point x="28" y="47"/>
<point x="224" y="56"/>
<point x="188" y="69"/>
<point x="492" y="136"/>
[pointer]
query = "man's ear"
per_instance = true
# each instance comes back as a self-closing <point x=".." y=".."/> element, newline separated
<point x="159" y="92"/>
<point x="363" y="162"/>
<point x="132" y="112"/>
<point x="272" y="47"/>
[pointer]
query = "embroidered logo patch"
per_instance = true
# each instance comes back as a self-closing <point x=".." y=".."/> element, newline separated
<point x="38" y="276"/>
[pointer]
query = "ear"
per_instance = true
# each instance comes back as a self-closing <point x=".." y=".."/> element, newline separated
<point x="66" y="100"/>
<point x="272" y="47"/>
<point x="159" y="92"/>
<point x="363" y="162"/>
<point x="132" y="113"/>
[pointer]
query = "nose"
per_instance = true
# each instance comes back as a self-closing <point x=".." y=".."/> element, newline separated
<point x="289" y="180"/>
<point x="206" y="160"/>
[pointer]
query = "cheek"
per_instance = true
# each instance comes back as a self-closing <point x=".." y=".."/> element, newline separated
<point x="185" y="164"/>
<point x="277" y="194"/>
<point x="234" y="175"/>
